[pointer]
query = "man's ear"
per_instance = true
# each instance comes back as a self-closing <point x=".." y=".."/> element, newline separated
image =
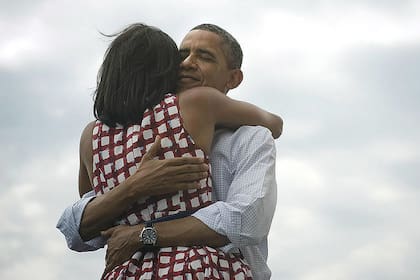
<point x="235" y="78"/>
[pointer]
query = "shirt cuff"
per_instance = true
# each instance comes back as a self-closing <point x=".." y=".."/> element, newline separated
<point x="218" y="214"/>
<point x="69" y="224"/>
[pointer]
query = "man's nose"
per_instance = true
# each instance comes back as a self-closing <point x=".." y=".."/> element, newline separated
<point x="188" y="62"/>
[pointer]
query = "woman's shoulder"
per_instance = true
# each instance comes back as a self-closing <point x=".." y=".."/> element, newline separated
<point x="85" y="148"/>
<point x="87" y="131"/>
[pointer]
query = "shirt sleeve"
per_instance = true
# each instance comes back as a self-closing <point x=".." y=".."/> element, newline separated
<point x="246" y="214"/>
<point x="69" y="224"/>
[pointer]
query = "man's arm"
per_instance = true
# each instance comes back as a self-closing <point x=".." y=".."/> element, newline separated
<point x="245" y="211"/>
<point x="243" y="217"/>
<point x="86" y="218"/>
<point x="124" y="241"/>
<point x="153" y="177"/>
<point x="69" y="224"/>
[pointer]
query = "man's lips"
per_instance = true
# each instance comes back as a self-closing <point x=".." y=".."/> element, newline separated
<point x="184" y="77"/>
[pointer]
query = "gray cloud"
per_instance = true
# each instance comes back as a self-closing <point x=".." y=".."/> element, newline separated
<point x="347" y="162"/>
<point x="306" y="6"/>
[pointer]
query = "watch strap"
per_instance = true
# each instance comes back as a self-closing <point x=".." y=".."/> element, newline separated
<point x="148" y="224"/>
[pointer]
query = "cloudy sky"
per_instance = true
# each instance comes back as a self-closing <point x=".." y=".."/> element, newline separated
<point x="344" y="75"/>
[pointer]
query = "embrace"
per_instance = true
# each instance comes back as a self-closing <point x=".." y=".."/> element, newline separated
<point x="176" y="178"/>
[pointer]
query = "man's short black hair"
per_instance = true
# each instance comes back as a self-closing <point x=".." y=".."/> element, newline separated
<point x="232" y="48"/>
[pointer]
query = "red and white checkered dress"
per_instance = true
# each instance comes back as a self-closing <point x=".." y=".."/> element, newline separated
<point x="117" y="153"/>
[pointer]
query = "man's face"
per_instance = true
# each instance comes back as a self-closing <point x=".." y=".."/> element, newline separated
<point x="203" y="62"/>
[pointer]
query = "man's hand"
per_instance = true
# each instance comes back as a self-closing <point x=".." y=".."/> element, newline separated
<point x="123" y="242"/>
<point x="156" y="177"/>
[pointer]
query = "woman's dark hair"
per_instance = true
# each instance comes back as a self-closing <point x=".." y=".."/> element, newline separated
<point x="139" y="68"/>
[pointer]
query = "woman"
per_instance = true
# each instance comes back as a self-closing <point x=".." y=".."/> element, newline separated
<point x="134" y="104"/>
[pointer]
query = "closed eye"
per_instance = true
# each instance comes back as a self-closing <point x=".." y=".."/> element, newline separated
<point x="206" y="55"/>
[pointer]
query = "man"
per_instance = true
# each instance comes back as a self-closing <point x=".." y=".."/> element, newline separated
<point x="243" y="172"/>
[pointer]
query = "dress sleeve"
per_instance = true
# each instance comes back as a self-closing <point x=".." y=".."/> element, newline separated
<point x="69" y="224"/>
<point x="245" y="217"/>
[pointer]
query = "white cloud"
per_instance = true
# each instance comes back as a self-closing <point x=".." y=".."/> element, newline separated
<point x="300" y="175"/>
<point x="384" y="258"/>
<point x="395" y="150"/>
<point x="307" y="48"/>
<point x="15" y="49"/>
<point x="302" y="129"/>
<point x="21" y="43"/>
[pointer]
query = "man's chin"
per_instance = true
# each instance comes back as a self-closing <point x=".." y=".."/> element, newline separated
<point x="187" y="85"/>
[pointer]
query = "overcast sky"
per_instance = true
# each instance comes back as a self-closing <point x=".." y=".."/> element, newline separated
<point x="344" y="75"/>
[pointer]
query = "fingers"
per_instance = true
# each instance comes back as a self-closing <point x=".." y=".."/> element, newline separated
<point x="107" y="264"/>
<point x="185" y="186"/>
<point x="107" y="233"/>
<point x="189" y="177"/>
<point x="184" y="161"/>
<point x="153" y="151"/>
<point x="108" y="268"/>
<point x="110" y="265"/>
<point x="186" y="168"/>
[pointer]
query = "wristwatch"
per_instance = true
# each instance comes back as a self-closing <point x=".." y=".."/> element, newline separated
<point x="148" y="235"/>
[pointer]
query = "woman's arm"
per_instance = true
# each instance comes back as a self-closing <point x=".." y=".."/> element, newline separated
<point x="86" y="158"/>
<point x="227" y="112"/>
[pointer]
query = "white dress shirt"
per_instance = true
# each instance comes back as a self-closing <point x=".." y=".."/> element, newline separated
<point x="244" y="191"/>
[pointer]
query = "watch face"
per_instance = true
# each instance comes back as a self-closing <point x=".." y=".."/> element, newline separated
<point x="149" y="236"/>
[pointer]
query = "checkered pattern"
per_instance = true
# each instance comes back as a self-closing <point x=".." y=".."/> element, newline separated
<point x="182" y="263"/>
<point x="117" y="152"/>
